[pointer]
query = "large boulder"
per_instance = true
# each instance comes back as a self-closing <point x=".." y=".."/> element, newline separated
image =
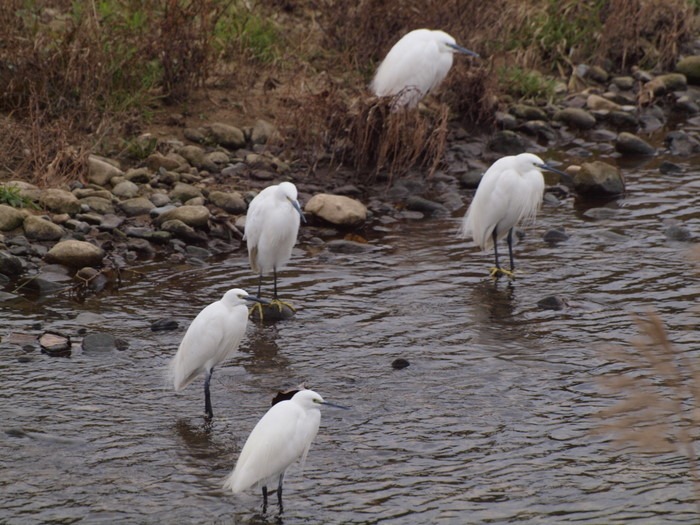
<point x="38" y="229"/>
<point x="337" y="209"/>
<point x="599" y="178"/>
<point x="60" y="201"/>
<point x="225" y="135"/>
<point x="75" y="254"/>
<point x="10" y="218"/>
<point x="100" y="171"/>
<point x="195" y="216"/>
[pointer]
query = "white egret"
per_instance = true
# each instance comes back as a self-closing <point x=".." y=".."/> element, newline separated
<point x="415" y="66"/>
<point x="271" y="229"/>
<point x="510" y="191"/>
<point x="212" y="337"/>
<point x="282" y="436"/>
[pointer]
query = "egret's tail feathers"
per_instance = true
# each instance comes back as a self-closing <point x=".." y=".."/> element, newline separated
<point x="234" y="482"/>
<point x="179" y="377"/>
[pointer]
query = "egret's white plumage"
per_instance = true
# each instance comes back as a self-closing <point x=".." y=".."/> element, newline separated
<point x="271" y="228"/>
<point x="281" y="437"/>
<point x="211" y="338"/>
<point x="510" y="192"/>
<point x="415" y="66"/>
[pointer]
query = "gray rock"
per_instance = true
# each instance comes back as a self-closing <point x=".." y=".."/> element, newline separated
<point x="471" y="179"/>
<point x="100" y="171"/>
<point x="555" y="236"/>
<point x="183" y="231"/>
<point x="55" y="344"/>
<point x="39" y="229"/>
<point x="217" y="157"/>
<point x="138" y="176"/>
<point x="156" y="237"/>
<point x="75" y="254"/>
<point x="598" y="178"/>
<point x="630" y="144"/>
<point x="690" y="67"/>
<point x="266" y="163"/>
<point x="667" y="167"/>
<point x="428" y="207"/>
<point x="225" y="135"/>
<point x="553" y="302"/>
<point x="164" y="324"/>
<point x="195" y="216"/>
<point x="233" y="202"/>
<point x="10" y="218"/>
<point x="197" y="157"/>
<point x="195" y="135"/>
<point x="98" y="204"/>
<point x="337" y="209"/>
<point x="345" y="246"/>
<point x="262" y="132"/>
<point x="81" y="193"/>
<point x="602" y="214"/>
<point x="183" y="192"/>
<point x="60" y="201"/>
<point x="126" y="190"/>
<point x="597" y="103"/>
<point x="9" y="264"/>
<point x="159" y="199"/>
<point x="687" y="105"/>
<point x="137" y="206"/>
<point x="526" y="112"/>
<point x="110" y="222"/>
<point x="98" y="343"/>
<point x="576" y="118"/>
<point x="681" y="143"/>
<point x="156" y="161"/>
<point x="678" y="233"/>
<point x="622" y="119"/>
<point x="508" y="143"/>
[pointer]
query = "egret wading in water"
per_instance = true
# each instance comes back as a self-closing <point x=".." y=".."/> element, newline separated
<point x="212" y="337"/>
<point x="283" y="435"/>
<point x="510" y="192"/>
<point x="271" y="229"/>
<point x="415" y="66"/>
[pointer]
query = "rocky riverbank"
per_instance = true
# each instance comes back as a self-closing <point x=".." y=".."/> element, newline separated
<point x="188" y="198"/>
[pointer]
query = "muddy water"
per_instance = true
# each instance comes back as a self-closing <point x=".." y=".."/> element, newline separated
<point x="490" y="423"/>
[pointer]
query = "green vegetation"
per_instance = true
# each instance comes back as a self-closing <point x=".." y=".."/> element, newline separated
<point x="524" y="84"/>
<point x="12" y="196"/>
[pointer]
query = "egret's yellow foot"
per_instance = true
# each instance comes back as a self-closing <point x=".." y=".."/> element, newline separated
<point x="259" y="308"/>
<point x="281" y="304"/>
<point x="496" y="272"/>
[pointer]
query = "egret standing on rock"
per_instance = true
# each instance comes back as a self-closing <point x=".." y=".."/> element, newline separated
<point x="271" y="229"/>
<point x="283" y="435"/>
<point x="415" y="66"/>
<point x="510" y="191"/>
<point x="212" y="337"/>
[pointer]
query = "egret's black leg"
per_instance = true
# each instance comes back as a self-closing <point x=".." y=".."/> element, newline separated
<point x="207" y="398"/>
<point x="274" y="275"/>
<point x="510" y="249"/>
<point x="259" y="284"/>
<point x="264" y="491"/>
<point x="279" y="493"/>
<point x="494" y="235"/>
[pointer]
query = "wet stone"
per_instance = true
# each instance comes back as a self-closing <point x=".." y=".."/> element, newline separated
<point x="599" y="178"/>
<point x="164" y="324"/>
<point x="55" y="344"/>
<point x="681" y="143"/>
<point x="348" y="247"/>
<point x="667" y="167"/>
<point x="555" y="236"/>
<point x="553" y="302"/>
<point x="630" y="144"/>
<point x="76" y="254"/>
<point x="576" y="118"/>
<point x="10" y="265"/>
<point x="601" y="213"/>
<point x="678" y="233"/>
<point x="157" y="237"/>
<point x="508" y="143"/>
<point x="428" y="207"/>
<point x="98" y="343"/>
<point x="272" y="313"/>
<point x="400" y="363"/>
<point x="471" y="179"/>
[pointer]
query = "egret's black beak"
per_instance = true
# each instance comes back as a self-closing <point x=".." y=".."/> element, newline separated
<point x="463" y="50"/>
<point x="255" y="299"/>
<point x="334" y="405"/>
<point x="298" y="208"/>
<point x="565" y="177"/>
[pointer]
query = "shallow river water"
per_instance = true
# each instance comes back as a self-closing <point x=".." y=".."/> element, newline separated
<point x="492" y="422"/>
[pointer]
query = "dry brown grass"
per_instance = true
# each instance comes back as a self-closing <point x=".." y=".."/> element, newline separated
<point x="659" y="387"/>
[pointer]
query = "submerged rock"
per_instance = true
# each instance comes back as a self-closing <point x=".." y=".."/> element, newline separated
<point x="553" y="302"/>
<point x="99" y="342"/>
<point x="55" y="344"/>
<point x="164" y="324"/>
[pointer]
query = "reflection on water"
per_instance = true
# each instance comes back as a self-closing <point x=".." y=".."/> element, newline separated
<point x="489" y="423"/>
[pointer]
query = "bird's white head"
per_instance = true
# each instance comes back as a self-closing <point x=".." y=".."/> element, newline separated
<point x="235" y="297"/>
<point x="447" y="44"/>
<point x="309" y="400"/>
<point x="288" y="191"/>
<point x="528" y="161"/>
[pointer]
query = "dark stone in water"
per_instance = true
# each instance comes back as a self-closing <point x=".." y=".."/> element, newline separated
<point x="344" y="246"/>
<point x="552" y="302"/>
<point x="400" y="363"/>
<point x="667" y="167"/>
<point x="555" y="235"/>
<point x="678" y="233"/>
<point x="430" y="208"/>
<point x="164" y="324"/>
<point x="53" y="344"/>
<point x="9" y="264"/>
